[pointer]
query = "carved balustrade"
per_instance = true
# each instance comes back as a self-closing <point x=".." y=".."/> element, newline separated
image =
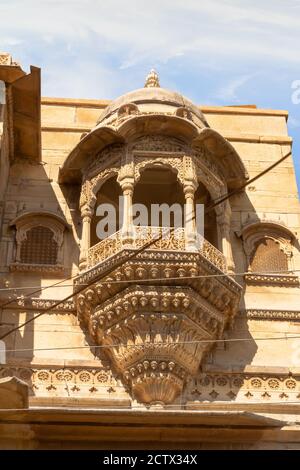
<point x="167" y="239"/>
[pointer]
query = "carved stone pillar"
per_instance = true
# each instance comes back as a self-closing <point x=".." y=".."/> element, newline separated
<point x="189" y="214"/>
<point x="127" y="185"/>
<point x="223" y="221"/>
<point x="86" y="215"/>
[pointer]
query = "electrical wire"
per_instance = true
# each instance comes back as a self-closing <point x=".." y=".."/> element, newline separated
<point x="221" y="199"/>
<point x="40" y="289"/>
<point x="158" y="343"/>
<point x="121" y="281"/>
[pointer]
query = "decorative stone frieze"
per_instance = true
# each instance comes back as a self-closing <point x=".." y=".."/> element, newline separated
<point x="98" y="381"/>
<point x="262" y="314"/>
<point x="282" y="280"/>
<point x="37" y="268"/>
<point x="56" y="381"/>
<point x="31" y="303"/>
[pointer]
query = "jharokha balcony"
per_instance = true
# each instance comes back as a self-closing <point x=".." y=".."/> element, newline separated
<point x="156" y="302"/>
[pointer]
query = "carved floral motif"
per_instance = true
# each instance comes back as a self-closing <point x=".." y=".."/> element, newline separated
<point x="261" y="314"/>
<point x="158" y="143"/>
<point x="99" y="381"/>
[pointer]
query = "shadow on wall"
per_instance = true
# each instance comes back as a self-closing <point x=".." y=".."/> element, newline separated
<point x="219" y="378"/>
<point x="41" y="250"/>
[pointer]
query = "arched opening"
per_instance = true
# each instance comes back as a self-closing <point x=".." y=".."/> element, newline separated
<point x="159" y="185"/>
<point x="39" y="246"/>
<point x="268" y="257"/>
<point x="202" y="196"/>
<point x="106" y="211"/>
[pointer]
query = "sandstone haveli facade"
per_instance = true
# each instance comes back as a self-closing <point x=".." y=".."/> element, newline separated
<point x="178" y="334"/>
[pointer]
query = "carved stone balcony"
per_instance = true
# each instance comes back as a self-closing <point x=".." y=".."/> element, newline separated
<point x="157" y="314"/>
<point x="176" y="241"/>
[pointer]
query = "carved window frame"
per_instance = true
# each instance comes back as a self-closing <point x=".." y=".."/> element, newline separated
<point x="255" y="232"/>
<point x="23" y="225"/>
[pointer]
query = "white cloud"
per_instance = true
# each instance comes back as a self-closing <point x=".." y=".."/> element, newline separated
<point x="99" y="49"/>
<point x="228" y="92"/>
<point x="142" y="30"/>
<point x="119" y="40"/>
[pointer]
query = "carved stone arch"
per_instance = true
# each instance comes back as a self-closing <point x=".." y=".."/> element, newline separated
<point x="91" y="187"/>
<point x="215" y="188"/>
<point x="99" y="180"/>
<point x="219" y="153"/>
<point x="159" y="124"/>
<point x="210" y="175"/>
<point x="255" y="232"/>
<point x="214" y="185"/>
<point x="158" y="143"/>
<point x="173" y="163"/>
<point x="43" y="222"/>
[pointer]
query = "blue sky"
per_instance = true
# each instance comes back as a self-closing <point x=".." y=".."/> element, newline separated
<point x="218" y="52"/>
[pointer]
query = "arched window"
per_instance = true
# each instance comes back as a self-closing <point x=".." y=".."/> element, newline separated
<point x="268" y="257"/>
<point x="39" y="246"/>
<point x="39" y="242"/>
<point x="269" y="248"/>
<point x="109" y="194"/>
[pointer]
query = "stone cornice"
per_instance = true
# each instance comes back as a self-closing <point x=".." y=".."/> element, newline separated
<point x="151" y="257"/>
<point x="38" y="304"/>
<point x="256" y="138"/>
<point x="282" y="280"/>
<point x="238" y="110"/>
<point x="40" y="268"/>
<point x="79" y="103"/>
<point x="261" y="314"/>
<point x="47" y="127"/>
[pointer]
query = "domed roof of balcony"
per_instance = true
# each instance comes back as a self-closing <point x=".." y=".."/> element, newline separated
<point x="148" y="111"/>
<point x="152" y="99"/>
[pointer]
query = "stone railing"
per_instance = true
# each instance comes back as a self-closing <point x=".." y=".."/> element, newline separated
<point x="168" y="239"/>
<point x="175" y="241"/>
<point x="211" y="253"/>
<point x="104" y="249"/>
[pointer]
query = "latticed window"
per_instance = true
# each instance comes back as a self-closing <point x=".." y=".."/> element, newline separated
<point x="268" y="257"/>
<point x="39" y="247"/>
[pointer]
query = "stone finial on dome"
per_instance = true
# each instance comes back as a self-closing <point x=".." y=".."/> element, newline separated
<point x="152" y="80"/>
